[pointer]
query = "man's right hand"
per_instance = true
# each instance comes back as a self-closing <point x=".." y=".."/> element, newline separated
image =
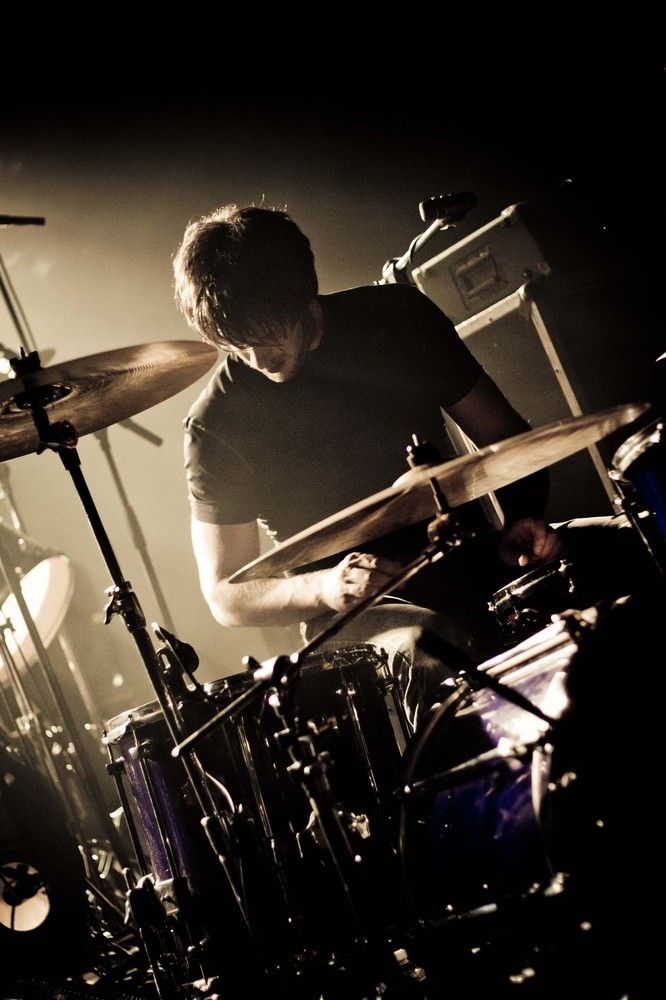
<point x="359" y="575"/>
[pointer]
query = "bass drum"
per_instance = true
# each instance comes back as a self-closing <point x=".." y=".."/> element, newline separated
<point x="525" y="831"/>
<point x="44" y="915"/>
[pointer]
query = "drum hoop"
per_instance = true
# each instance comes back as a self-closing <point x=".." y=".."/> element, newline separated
<point x="422" y="740"/>
<point x="517" y="587"/>
<point x="329" y="659"/>
<point x="345" y="656"/>
<point x="118" y="726"/>
<point x="633" y="447"/>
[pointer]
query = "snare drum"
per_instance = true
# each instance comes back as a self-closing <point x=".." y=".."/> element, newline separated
<point x="638" y="472"/>
<point x="527" y="604"/>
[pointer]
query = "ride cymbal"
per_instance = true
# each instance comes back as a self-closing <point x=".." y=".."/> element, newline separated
<point x="410" y="499"/>
<point x="98" y="390"/>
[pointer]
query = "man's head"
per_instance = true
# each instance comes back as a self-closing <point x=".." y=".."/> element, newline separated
<point x="245" y="280"/>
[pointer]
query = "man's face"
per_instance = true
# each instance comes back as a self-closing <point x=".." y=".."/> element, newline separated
<point x="280" y="359"/>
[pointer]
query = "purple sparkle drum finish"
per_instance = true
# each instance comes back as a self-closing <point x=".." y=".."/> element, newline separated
<point x="502" y="805"/>
<point x="638" y="473"/>
<point x="346" y="696"/>
<point x="470" y="830"/>
<point x="158" y="792"/>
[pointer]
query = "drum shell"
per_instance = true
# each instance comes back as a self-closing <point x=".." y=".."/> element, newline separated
<point x="342" y="697"/>
<point x="34" y="831"/>
<point x="508" y="802"/>
<point x="528" y="603"/>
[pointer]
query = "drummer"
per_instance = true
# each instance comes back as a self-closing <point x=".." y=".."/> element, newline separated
<point x="311" y="410"/>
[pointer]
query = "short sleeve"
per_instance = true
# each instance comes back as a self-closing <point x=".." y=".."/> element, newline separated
<point x="450" y="360"/>
<point x="219" y="478"/>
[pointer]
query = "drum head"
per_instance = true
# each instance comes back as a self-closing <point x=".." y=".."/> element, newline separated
<point x="634" y="446"/>
<point x="44" y="918"/>
<point x="137" y="717"/>
<point x="47" y="590"/>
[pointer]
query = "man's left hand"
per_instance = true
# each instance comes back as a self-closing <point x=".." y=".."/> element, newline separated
<point x="530" y="540"/>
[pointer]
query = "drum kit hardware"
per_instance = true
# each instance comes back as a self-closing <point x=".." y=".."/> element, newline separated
<point x="639" y="476"/>
<point x="284" y="828"/>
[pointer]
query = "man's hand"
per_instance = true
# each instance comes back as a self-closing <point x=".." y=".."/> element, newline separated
<point x="358" y="576"/>
<point x="530" y="540"/>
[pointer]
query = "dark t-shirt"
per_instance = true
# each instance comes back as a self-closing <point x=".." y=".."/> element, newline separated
<point x="292" y="453"/>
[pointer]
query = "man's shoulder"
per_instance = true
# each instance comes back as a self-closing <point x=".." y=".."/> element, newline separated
<point x="374" y="296"/>
<point x="392" y="304"/>
<point x="219" y="389"/>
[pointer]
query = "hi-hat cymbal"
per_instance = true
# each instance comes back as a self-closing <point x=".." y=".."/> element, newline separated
<point x="98" y="390"/>
<point x="410" y="499"/>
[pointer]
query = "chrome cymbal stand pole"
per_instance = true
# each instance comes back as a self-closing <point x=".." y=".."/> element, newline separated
<point x="137" y="534"/>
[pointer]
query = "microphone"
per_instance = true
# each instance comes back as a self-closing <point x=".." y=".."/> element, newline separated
<point x="447" y="208"/>
<point x="184" y="653"/>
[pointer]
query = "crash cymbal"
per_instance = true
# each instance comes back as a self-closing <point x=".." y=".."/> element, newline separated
<point x="98" y="390"/>
<point x="410" y="499"/>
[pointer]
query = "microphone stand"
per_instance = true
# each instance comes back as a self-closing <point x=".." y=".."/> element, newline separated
<point x="14" y="306"/>
<point x="442" y="212"/>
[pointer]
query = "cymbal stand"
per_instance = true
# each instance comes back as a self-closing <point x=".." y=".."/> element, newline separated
<point x="137" y="534"/>
<point x="62" y="438"/>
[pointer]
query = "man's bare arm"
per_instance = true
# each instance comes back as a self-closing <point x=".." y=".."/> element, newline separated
<point x="221" y="549"/>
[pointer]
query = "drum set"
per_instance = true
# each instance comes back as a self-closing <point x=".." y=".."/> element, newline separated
<point x="284" y="829"/>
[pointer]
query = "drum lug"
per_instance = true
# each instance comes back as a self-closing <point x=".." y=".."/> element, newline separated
<point x="407" y="968"/>
<point x="116" y="768"/>
<point x="359" y="824"/>
<point x="142" y="751"/>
